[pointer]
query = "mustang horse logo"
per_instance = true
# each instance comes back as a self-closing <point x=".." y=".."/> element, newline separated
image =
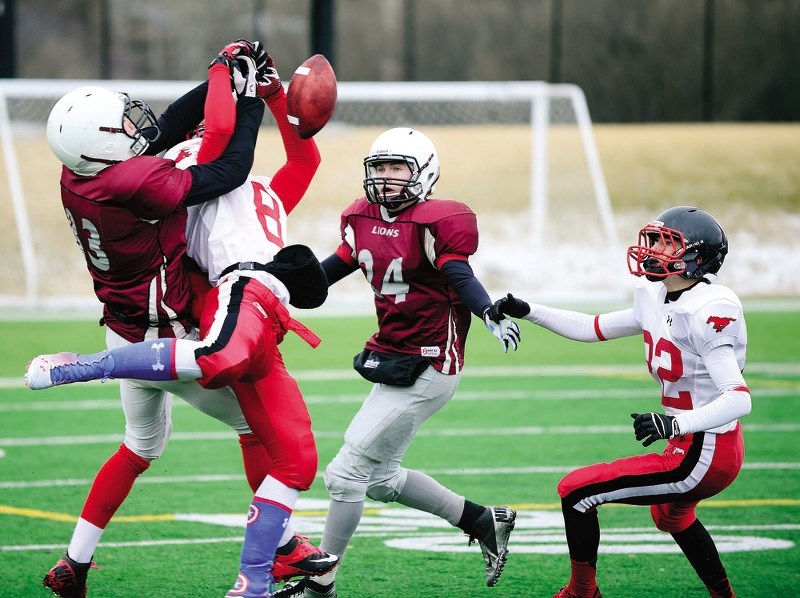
<point x="719" y="323"/>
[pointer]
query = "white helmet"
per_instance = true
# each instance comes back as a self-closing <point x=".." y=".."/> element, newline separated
<point x="401" y="145"/>
<point x="91" y="128"/>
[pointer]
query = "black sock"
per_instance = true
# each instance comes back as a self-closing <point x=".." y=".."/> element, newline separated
<point x="699" y="548"/>
<point x="470" y="515"/>
<point x="582" y="531"/>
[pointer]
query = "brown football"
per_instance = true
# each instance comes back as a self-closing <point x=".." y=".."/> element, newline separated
<point x="311" y="97"/>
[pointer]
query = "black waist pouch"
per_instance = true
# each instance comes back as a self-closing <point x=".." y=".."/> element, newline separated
<point x="390" y="368"/>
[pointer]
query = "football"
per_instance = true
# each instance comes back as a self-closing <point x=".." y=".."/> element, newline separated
<point x="311" y="97"/>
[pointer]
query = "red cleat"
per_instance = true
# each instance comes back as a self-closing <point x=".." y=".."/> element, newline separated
<point x="304" y="559"/>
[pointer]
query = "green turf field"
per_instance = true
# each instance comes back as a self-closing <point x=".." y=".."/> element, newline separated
<point x="517" y="424"/>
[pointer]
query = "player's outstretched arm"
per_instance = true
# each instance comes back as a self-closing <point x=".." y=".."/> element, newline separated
<point x="292" y="180"/>
<point x="572" y="324"/>
<point x="469" y="289"/>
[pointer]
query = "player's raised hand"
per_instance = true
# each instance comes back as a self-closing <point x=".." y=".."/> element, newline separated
<point x="259" y="54"/>
<point x="268" y="80"/>
<point x="243" y="72"/>
<point x="511" y="306"/>
<point x="242" y="47"/>
<point x="506" y="331"/>
<point x="654" y="426"/>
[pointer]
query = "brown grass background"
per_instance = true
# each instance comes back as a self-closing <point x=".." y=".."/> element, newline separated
<point x="746" y="175"/>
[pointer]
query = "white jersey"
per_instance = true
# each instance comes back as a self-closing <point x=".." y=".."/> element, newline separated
<point x="246" y="225"/>
<point x="679" y="334"/>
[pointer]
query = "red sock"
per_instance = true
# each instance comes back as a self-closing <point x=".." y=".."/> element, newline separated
<point x="111" y="486"/>
<point x="257" y="462"/>
<point x="583" y="580"/>
<point x="722" y="589"/>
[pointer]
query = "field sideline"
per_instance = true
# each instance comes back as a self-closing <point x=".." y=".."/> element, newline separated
<point x="518" y="423"/>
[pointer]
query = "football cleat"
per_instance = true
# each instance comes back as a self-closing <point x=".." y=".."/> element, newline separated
<point x="305" y="559"/>
<point x="45" y="371"/>
<point x="305" y="588"/>
<point x="67" y="578"/>
<point x="565" y="592"/>
<point x="492" y="530"/>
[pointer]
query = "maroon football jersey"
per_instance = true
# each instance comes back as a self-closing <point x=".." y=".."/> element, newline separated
<point x="130" y="224"/>
<point x="418" y="312"/>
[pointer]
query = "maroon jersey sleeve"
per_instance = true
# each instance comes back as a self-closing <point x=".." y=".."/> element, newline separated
<point x="150" y="187"/>
<point x="453" y="226"/>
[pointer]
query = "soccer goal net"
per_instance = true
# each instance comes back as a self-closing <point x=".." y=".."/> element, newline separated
<point x="521" y="154"/>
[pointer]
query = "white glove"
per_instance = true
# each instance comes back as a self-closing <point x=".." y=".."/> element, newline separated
<point x="506" y="331"/>
<point x="244" y="76"/>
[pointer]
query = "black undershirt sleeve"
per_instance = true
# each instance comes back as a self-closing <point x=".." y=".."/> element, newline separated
<point x="460" y="276"/>
<point x="230" y="170"/>
<point x="180" y="117"/>
<point x="336" y="268"/>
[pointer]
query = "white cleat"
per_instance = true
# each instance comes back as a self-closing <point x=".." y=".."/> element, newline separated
<point x="45" y="371"/>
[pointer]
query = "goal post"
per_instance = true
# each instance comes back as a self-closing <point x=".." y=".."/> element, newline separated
<point x="472" y="111"/>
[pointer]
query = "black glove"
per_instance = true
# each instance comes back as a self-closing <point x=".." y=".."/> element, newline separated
<point x="268" y="81"/>
<point x="511" y="306"/>
<point x="654" y="426"/>
<point x="220" y="59"/>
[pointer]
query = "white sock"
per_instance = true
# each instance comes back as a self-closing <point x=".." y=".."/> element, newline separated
<point x="185" y="362"/>
<point x="288" y="534"/>
<point x="85" y="538"/>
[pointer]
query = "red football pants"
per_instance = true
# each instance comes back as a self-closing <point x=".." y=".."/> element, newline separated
<point x="245" y="322"/>
<point x="691" y="468"/>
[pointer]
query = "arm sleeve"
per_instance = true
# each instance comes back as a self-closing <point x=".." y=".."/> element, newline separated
<point x="469" y="289"/>
<point x="222" y="176"/>
<point x="733" y="402"/>
<point x="220" y="114"/>
<point x="336" y="268"/>
<point x="302" y="156"/>
<point x="180" y="117"/>
<point x="585" y="327"/>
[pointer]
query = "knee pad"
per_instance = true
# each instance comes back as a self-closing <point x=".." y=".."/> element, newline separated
<point x="384" y="491"/>
<point x="342" y="489"/>
<point x="671" y="520"/>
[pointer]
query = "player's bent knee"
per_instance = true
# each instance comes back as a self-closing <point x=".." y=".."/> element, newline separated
<point x="296" y="480"/>
<point x="670" y="521"/>
<point x="301" y="476"/>
<point x="342" y="489"/>
<point x="383" y="492"/>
